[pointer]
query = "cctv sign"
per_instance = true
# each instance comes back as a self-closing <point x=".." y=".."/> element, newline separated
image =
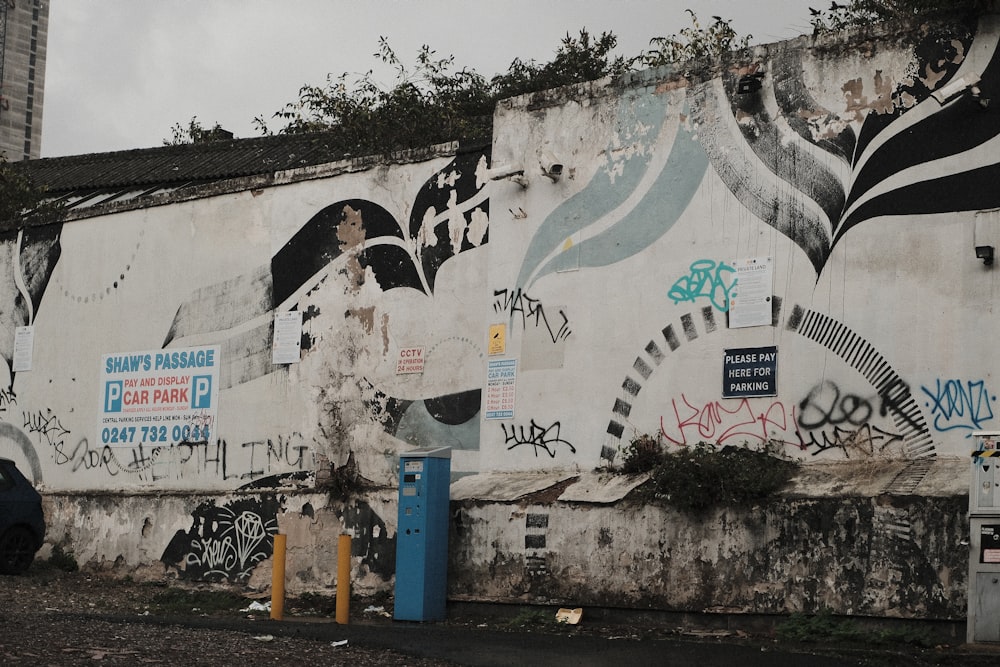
<point x="159" y="397"/>
<point x="410" y="360"/>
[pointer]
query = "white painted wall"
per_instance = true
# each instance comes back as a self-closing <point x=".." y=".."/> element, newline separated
<point x="663" y="176"/>
<point x="122" y="282"/>
<point x="610" y="285"/>
<point x="904" y="289"/>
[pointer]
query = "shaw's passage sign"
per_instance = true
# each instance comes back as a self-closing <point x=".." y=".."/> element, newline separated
<point x="162" y="397"/>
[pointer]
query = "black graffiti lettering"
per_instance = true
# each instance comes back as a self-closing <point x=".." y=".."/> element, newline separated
<point x="58" y="454"/>
<point x="507" y="302"/>
<point x="90" y="459"/>
<point x="544" y="439"/>
<point x="517" y="302"/>
<point x="825" y="406"/>
<point x="865" y="441"/>
<point x="46" y="425"/>
<point x="139" y="459"/>
<point x="156" y="453"/>
<point x="219" y="457"/>
<point x="185" y="451"/>
<point x="253" y="473"/>
<point x="7" y="399"/>
<point x="284" y="453"/>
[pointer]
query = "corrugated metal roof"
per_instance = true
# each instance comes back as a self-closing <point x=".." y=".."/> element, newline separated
<point x="97" y="183"/>
<point x="187" y="163"/>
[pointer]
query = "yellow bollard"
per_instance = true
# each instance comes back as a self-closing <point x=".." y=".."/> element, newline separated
<point x="343" y="579"/>
<point x="278" y="578"/>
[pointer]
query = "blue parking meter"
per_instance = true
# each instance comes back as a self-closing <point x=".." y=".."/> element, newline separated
<point x="422" y="535"/>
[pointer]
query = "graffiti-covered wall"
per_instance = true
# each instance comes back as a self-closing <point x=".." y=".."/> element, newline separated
<point x="780" y="248"/>
<point x="146" y="353"/>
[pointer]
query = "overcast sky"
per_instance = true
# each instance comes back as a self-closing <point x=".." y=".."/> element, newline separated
<point x="121" y="73"/>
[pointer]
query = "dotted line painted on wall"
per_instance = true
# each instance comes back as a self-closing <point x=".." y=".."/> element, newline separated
<point x="656" y="354"/>
<point x="822" y="329"/>
<point x="95" y="297"/>
<point x="462" y="339"/>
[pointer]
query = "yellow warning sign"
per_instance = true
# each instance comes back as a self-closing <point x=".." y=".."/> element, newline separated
<point x="498" y="339"/>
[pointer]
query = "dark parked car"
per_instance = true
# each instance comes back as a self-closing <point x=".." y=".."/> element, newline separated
<point x="22" y="524"/>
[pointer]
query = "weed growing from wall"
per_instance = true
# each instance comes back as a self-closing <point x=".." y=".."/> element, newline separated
<point x="63" y="559"/>
<point x="346" y="481"/>
<point x="862" y="13"/>
<point x="642" y="454"/>
<point x="703" y="476"/>
<point x="695" y="42"/>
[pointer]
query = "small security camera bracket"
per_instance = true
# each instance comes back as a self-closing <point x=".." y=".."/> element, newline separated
<point x="508" y="172"/>
<point x="552" y="168"/>
<point x="985" y="253"/>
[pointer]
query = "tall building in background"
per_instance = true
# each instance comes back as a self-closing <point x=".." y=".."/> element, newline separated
<point x="24" y="27"/>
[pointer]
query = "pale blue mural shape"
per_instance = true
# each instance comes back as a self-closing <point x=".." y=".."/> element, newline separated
<point x="652" y="216"/>
<point x="417" y="427"/>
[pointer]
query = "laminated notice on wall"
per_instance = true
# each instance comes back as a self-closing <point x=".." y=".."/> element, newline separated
<point x="498" y="339"/>
<point x="159" y="397"/>
<point x="501" y="379"/>
<point x="24" y="343"/>
<point x="410" y="360"/>
<point x="750" y="300"/>
<point x="286" y="348"/>
<point x="989" y="543"/>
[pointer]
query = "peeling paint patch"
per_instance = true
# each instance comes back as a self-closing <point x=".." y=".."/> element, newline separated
<point x="371" y="540"/>
<point x="480" y="224"/>
<point x="351" y="234"/>
<point x="364" y="315"/>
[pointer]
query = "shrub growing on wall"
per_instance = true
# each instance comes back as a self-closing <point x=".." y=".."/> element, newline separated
<point x="696" y="478"/>
<point x="20" y="198"/>
<point x="861" y="13"/>
<point x="434" y="101"/>
<point x="642" y="454"/>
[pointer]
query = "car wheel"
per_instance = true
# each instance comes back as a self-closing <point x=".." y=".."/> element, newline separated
<point x="17" y="550"/>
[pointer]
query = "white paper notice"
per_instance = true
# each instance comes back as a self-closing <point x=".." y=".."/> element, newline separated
<point x="286" y="347"/>
<point x="750" y="302"/>
<point x="24" y="343"/>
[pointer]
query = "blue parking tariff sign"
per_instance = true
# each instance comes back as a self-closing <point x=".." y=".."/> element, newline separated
<point x="750" y="371"/>
<point x="161" y="397"/>
<point x="501" y="381"/>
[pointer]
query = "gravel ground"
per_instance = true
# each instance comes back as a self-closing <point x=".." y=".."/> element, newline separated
<point x="52" y="618"/>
